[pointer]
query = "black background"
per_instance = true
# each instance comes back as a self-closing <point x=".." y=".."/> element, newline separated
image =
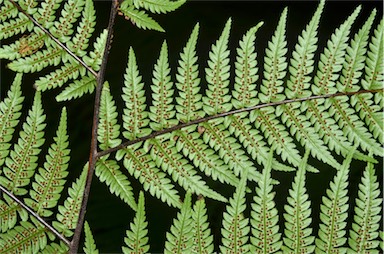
<point x="108" y="216"/>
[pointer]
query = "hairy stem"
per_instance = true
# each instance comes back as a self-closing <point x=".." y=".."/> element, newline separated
<point x="205" y="119"/>
<point x="55" y="39"/>
<point x="93" y="150"/>
<point x="30" y="211"/>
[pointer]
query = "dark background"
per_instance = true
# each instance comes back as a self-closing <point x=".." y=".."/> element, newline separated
<point x="108" y="216"/>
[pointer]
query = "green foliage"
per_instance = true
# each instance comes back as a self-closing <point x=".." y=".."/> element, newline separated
<point x="89" y="245"/>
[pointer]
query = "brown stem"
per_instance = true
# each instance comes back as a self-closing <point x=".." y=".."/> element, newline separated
<point x="205" y="119"/>
<point x="30" y="211"/>
<point x="93" y="150"/>
<point x="55" y="39"/>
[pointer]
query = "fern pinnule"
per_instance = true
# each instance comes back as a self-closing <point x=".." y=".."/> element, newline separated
<point x="136" y="239"/>
<point x="364" y="236"/>
<point x="217" y="99"/>
<point x="78" y="88"/>
<point x="265" y="236"/>
<point x="15" y="26"/>
<point x="9" y="116"/>
<point x="366" y="104"/>
<point x="89" y="244"/>
<point x="158" y="6"/>
<point x="202" y="238"/>
<point x="166" y="157"/>
<point x="108" y="129"/>
<point x="189" y="102"/>
<point x="179" y="239"/>
<point x="7" y="11"/>
<point x="21" y="164"/>
<point x="135" y="117"/>
<point x="334" y="213"/>
<point x="162" y="112"/>
<point x="300" y="70"/>
<point x="297" y="232"/>
<point x="49" y="181"/>
<point x="69" y="212"/>
<point x="236" y="228"/>
<point x="55" y="248"/>
<point x="45" y="15"/>
<point x="108" y="171"/>
<point x="10" y="213"/>
<point x="23" y="47"/>
<point x="31" y="233"/>
<point x="140" y="165"/>
<point x="340" y="109"/>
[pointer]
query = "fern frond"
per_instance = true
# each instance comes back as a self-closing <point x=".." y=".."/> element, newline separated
<point x="140" y="165"/>
<point x="137" y="239"/>
<point x="165" y="155"/>
<point x="22" y="47"/>
<point x="139" y="18"/>
<point x="236" y="228"/>
<point x="49" y="181"/>
<point x="21" y="164"/>
<point x="69" y="14"/>
<point x="9" y="116"/>
<point x="45" y="15"/>
<point x="202" y="238"/>
<point x="334" y="213"/>
<point x="179" y="239"/>
<point x="7" y="11"/>
<point x="54" y="248"/>
<point x="340" y="109"/>
<point x="264" y="215"/>
<point x="192" y="146"/>
<point x="10" y="213"/>
<point x="108" y="171"/>
<point x="298" y="238"/>
<point x="189" y="102"/>
<point x="229" y="150"/>
<point x="134" y="115"/>
<point x="108" y="129"/>
<point x="78" y="88"/>
<point x="69" y="212"/>
<point x="89" y="244"/>
<point x="15" y="26"/>
<point x="374" y="76"/>
<point x="95" y="57"/>
<point x="162" y="112"/>
<point x="24" y="238"/>
<point x="158" y="6"/>
<point x="364" y="236"/>
<point x="217" y="75"/>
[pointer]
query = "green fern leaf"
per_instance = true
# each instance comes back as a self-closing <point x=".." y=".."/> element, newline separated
<point x="95" y="57"/>
<point x="158" y="6"/>
<point x="140" y="165"/>
<point x="334" y="213"/>
<point x="374" y="76"/>
<point x="340" y="109"/>
<point x="264" y="216"/>
<point x="9" y="116"/>
<point x="134" y="115"/>
<point x="15" y="26"/>
<point x="179" y="239"/>
<point x="202" y="238"/>
<point x="165" y="155"/>
<point x="54" y="248"/>
<point x="49" y="181"/>
<point x="10" y="213"/>
<point x="69" y="212"/>
<point x="45" y="15"/>
<point x="108" y="171"/>
<point x="89" y="244"/>
<point x="189" y="100"/>
<point x="7" y="11"/>
<point x="24" y="238"/>
<point x="363" y="238"/>
<point x="108" y="129"/>
<point x="137" y="239"/>
<point x="21" y="163"/>
<point x="236" y="228"/>
<point x="22" y="47"/>
<point x="78" y="88"/>
<point x="297" y="214"/>
<point x="139" y="18"/>
<point x="217" y="75"/>
<point x="189" y="143"/>
<point x="162" y="111"/>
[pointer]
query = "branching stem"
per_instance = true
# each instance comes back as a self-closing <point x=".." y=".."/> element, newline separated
<point x="30" y="211"/>
<point x="55" y="39"/>
<point x="237" y="111"/>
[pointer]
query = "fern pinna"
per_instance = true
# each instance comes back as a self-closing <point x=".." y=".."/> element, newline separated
<point x="237" y="124"/>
